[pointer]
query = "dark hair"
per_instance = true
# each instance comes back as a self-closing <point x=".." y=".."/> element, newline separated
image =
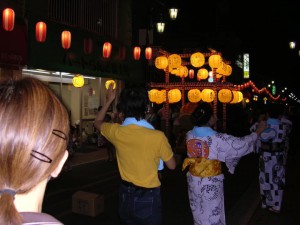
<point x="202" y="114"/>
<point x="133" y="102"/>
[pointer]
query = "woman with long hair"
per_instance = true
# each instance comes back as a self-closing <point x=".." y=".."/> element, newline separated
<point x="34" y="128"/>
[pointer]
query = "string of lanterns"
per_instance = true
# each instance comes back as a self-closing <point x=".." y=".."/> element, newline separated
<point x="8" y="20"/>
<point x="259" y="91"/>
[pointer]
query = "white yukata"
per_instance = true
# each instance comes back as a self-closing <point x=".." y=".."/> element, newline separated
<point x="206" y="150"/>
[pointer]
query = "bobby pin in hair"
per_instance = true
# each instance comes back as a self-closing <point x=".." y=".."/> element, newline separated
<point x="59" y="133"/>
<point x="8" y="191"/>
<point x="40" y="156"/>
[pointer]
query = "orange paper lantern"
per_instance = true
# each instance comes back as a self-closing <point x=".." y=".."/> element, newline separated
<point x="8" y="19"/>
<point x="66" y="39"/>
<point x="225" y="95"/>
<point x="40" y="31"/>
<point x="174" y="95"/>
<point x="237" y="97"/>
<point x="208" y="95"/>
<point x="215" y="61"/>
<point x="194" y="95"/>
<point x="202" y="74"/>
<point x="197" y="59"/>
<point x="161" y="62"/>
<point x="107" y="49"/>
<point x="148" y="53"/>
<point x="136" y="53"/>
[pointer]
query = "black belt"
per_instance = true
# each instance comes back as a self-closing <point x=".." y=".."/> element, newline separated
<point x="272" y="147"/>
<point x="129" y="184"/>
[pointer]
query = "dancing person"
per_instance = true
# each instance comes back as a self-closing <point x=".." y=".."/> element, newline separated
<point x="139" y="148"/>
<point x="206" y="149"/>
<point x="272" y="159"/>
<point x="34" y="132"/>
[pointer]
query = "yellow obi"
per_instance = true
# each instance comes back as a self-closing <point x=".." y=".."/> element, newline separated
<point x="202" y="167"/>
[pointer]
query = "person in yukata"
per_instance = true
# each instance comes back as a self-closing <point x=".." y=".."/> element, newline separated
<point x="206" y="149"/>
<point x="272" y="159"/>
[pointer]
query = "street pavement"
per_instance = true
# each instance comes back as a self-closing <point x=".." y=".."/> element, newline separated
<point x="92" y="173"/>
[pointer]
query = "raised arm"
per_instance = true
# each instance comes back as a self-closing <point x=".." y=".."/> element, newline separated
<point x="110" y="97"/>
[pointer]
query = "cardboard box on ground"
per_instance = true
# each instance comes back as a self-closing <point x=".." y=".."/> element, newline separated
<point x="87" y="203"/>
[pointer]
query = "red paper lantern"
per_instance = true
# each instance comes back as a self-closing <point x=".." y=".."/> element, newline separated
<point x="8" y="19"/>
<point x="136" y="53"/>
<point x="66" y="39"/>
<point x="148" y="53"/>
<point x="107" y="49"/>
<point x="40" y="31"/>
<point x="191" y="73"/>
<point x="87" y="46"/>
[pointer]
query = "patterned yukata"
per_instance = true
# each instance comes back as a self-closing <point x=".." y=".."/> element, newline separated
<point x="206" y="150"/>
<point x="272" y="159"/>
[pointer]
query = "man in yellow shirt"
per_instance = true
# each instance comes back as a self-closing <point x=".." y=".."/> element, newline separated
<point x="139" y="148"/>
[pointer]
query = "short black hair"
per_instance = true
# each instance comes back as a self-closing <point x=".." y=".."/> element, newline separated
<point x="202" y="114"/>
<point x="133" y="102"/>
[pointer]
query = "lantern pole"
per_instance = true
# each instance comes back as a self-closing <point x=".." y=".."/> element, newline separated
<point x="224" y="117"/>
<point x="167" y="105"/>
<point x="182" y="91"/>
<point x="216" y="94"/>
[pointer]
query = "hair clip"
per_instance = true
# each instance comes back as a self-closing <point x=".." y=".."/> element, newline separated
<point x="59" y="134"/>
<point x="40" y="156"/>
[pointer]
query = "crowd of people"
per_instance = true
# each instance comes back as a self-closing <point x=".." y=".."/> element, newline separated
<point x="36" y="137"/>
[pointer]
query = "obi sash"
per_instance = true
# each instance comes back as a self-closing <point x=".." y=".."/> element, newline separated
<point x="202" y="167"/>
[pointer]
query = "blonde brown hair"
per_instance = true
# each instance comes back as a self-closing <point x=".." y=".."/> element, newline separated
<point x="34" y="127"/>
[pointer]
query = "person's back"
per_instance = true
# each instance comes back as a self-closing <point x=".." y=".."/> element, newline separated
<point x="139" y="148"/>
<point x="34" y="132"/>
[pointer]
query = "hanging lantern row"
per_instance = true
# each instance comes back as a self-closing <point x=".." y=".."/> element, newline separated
<point x="196" y="95"/>
<point x="8" y="19"/>
<point x="159" y="96"/>
<point x="256" y="90"/>
<point x="173" y="62"/>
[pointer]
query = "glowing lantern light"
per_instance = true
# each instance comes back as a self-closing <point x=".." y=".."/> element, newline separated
<point x="174" y="61"/>
<point x="194" y="95"/>
<point x="225" y="95"/>
<point x="136" y="53"/>
<point x="174" y="95"/>
<point x="40" y="31"/>
<point x="161" y="62"/>
<point x="237" y="97"/>
<point x="152" y="94"/>
<point x="183" y="71"/>
<point x="202" y="74"/>
<point x="148" y="53"/>
<point x="78" y="80"/>
<point x="215" y="61"/>
<point x="208" y="95"/>
<point x="107" y="50"/>
<point x="197" y="59"/>
<point x="66" y="39"/>
<point x="8" y="19"/>
<point x="109" y="82"/>
<point x="87" y="46"/>
<point x="191" y="74"/>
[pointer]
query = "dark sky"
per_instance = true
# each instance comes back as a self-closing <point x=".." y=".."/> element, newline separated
<point x="261" y="28"/>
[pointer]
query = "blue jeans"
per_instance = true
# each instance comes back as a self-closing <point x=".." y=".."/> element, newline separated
<point x="140" y="206"/>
